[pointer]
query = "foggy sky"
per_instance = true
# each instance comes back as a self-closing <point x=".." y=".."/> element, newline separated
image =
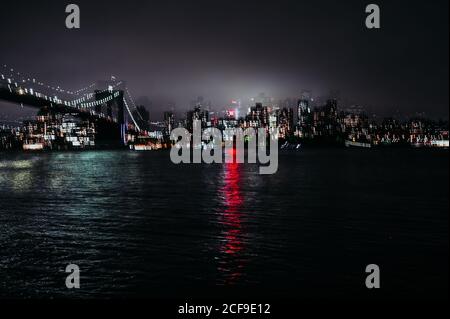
<point x="223" y="50"/>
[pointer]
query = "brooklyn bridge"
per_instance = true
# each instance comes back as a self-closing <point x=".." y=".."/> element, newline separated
<point x="108" y="104"/>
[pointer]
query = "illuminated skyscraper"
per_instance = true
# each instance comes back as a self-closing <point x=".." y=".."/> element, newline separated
<point x="304" y="115"/>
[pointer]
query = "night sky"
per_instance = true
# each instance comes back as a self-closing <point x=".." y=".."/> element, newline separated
<point x="175" y="51"/>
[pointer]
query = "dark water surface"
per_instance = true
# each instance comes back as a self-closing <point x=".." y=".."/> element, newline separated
<point x="139" y="226"/>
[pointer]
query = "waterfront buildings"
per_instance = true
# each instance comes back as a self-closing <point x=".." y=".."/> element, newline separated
<point x="326" y="124"/>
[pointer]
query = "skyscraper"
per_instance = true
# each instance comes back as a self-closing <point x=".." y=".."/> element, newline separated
<point x="169" y="123"/>
<point x="304" y="115"/>
<point x="285" y="122"/>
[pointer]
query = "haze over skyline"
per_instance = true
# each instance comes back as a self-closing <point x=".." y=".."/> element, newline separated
<point x="174" y="52"/>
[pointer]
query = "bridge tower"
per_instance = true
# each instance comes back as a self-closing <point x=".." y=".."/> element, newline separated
<point x="114" y="108"/>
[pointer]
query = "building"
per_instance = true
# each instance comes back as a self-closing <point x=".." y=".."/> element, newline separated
<point x="169" y="123"/>
<point x="197" y="114"/>
<point x="304" y="118"/>
<point x="258" y="116"/>
<point x="325" y="119"/>
<point x="285" y="122"/>
<point x="58" y="131"/>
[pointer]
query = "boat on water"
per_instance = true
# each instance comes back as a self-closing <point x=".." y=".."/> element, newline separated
<point x="432" y="143"/>
<point x="141" y="147"/>
<point x="357" y="144"/>
<point x="440" y="143"/>
<point x="33" y="147"/>
<point x="290" y="146"/>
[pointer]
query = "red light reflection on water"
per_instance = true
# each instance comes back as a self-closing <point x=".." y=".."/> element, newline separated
<point x="231" y="249"/>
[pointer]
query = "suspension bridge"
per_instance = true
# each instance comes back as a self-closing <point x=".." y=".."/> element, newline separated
<point x="107" y="103"/>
